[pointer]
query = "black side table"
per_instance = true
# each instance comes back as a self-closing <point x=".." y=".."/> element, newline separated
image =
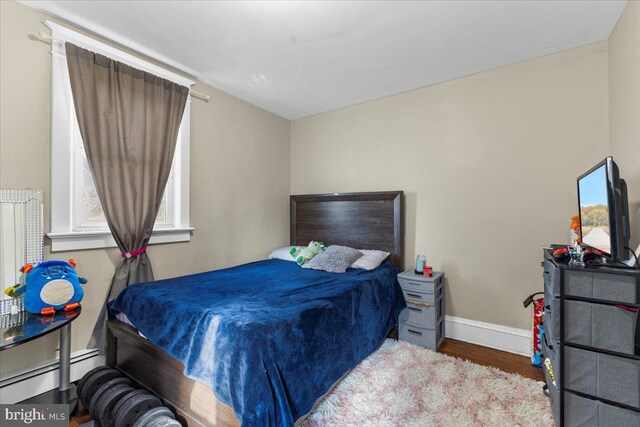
<point x="16" y="329"/>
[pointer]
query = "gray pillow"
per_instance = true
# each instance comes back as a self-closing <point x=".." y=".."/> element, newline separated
<point x="334" y="259"/>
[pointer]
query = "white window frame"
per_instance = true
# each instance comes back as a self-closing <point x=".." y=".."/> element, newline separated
<point x="66" y="232"/>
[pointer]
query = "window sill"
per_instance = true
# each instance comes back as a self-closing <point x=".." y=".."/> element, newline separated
<point x="102" y="239"/>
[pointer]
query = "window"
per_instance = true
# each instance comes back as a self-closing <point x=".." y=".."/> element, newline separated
<point x="87" y="214"/>
<point x="77" y="219"/>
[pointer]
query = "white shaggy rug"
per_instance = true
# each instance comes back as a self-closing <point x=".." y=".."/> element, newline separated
<point x="404" y="385"/>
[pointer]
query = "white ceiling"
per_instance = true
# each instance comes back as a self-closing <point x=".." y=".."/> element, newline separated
<point x="300" y="58"/>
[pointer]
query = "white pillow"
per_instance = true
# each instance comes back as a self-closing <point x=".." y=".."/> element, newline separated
<point x="283" y="253"/>
<point x="370" y="259"/>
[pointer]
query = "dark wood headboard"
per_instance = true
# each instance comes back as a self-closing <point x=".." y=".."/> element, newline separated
<point x="372" y="220"/>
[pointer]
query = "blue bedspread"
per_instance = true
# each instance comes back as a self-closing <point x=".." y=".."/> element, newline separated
<point x="268" y="337"/>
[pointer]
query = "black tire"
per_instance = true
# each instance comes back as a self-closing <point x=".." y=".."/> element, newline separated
<point x="94" y="382"/>
<point x="153" y="414"/>
<point x="93" y="401"/>
<point x="133" y="407"/>
<point x="87" y="375"/>
<point x="104" y="408"/>
<point x="164" y="422"/>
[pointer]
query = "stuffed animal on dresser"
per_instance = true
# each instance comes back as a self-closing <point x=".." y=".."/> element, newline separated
<point x="49" y="286"/>
<point x="303" y="255"/>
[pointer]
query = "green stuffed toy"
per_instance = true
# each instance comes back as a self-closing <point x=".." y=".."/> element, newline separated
<point x="303" y="255"/>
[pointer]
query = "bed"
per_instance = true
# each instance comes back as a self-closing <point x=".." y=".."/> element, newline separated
<point x="269" y="337"/>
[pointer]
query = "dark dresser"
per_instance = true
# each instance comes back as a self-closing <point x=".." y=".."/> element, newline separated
<point x="591" y="344"/>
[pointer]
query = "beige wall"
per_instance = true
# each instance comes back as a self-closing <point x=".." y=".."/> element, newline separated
<point x="624" y="101"/>
<point x="488" y="163"/>
<point x="239" y="177"/>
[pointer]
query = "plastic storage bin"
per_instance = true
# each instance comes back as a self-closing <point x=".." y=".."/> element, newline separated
<point x="607" y="327"/>
<point x="422" y="336"/>
<point x="583" y="412"/>
<point x="601" y="375"/>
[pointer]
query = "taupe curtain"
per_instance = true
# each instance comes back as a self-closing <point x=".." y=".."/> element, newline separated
<point x="129" y="122"/>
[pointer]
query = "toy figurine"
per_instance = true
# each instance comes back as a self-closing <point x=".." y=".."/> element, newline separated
<point x="14" y="291"/>
<point x="49" y="286"/>
<point x="575" y="230"/>
<point x="305" y="254"/>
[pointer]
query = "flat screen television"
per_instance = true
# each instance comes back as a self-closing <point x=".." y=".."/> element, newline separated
<point x="604" y="210"/>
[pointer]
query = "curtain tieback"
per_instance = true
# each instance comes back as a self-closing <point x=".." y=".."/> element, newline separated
<point x="134" y="253"/>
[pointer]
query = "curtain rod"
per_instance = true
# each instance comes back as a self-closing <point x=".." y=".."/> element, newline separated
<point x="45" y="38"/>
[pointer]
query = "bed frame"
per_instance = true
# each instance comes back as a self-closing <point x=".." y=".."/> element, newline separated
<point x="357" y="220"/>
<point x="373" y="220"/>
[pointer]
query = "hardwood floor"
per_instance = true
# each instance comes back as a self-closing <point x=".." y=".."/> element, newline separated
<point x="502" y="360"/>
<point x="80" y="417"/>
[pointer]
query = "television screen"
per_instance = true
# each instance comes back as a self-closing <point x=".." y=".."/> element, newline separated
<point x="594" y="209"/>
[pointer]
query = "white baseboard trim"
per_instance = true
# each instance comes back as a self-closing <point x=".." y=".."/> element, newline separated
<point x="42" y="377"/>
<point x="500" y="337"/>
